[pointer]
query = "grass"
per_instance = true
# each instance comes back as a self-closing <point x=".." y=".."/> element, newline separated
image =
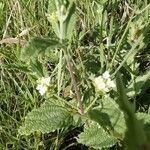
<point x="97" y="41"/>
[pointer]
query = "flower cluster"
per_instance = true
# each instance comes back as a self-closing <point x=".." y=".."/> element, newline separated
<point x="43" y="84"/>
<point x="53" y="17"/>
<point x="103" y="83"/>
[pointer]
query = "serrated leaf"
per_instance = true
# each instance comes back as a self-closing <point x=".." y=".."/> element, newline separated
<point x="37" y="45"/>
<point x="110" y="117"/>
<point x="136" y="87"/>
<point x="94" y="136"/>
<point x="49" y="117"/>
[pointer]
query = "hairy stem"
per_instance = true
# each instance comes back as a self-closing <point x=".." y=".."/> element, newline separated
<point x="71" y="71"/>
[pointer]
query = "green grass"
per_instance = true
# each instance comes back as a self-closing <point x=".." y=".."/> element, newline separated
<point x="98" y="40"/>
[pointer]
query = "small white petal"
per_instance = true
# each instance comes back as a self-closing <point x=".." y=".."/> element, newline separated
<point x="106" y="89"/>
<point x="100" y="84"/>
<point x="47" y="81"/>
<point x="106" y="75"/>
<point x="44" y="81"/>
<point x="42" y="89"/>
<point x="39" y="86"/>
<point x="110" y="83"/>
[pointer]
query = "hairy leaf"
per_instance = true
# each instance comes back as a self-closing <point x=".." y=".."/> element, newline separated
<point x="134" y="126"/>
<point x="70" y="21"/>
<point x="94" y="136"/>
<point x="51" y="6"/>
<point x="110" y="117"/>
<point x="36" y="46"/>
<point x="49" y="117"/>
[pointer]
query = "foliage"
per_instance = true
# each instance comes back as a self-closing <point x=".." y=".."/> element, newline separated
<point x="104" y="115"/>
<point x="94" y="136"/>
<point x="134" y="127"/>
<point x="138" y="84"/>
<point x="50" y="116"/>
<point x="92" y="60"/>
<point x="36" y="46"/>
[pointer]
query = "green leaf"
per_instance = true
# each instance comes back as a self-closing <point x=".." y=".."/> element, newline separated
<point x="52" y="12"/>
<point x="51" y="7"/>
<point x="94" y="136"/>
<point x="129" y="56"/>
<point x="16" y="66"/>
<point x="68" y="25"/>
<point x="136" y="86"/>
<point x="50" y="116"/>
<point x="109" y="117"/>
<point x="134" y="126"/>
<point x="70" y="21"/>
<point x="36" y="46"/>
<point x="38" y="69"/>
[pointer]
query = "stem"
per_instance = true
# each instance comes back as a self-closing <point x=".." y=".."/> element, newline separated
<point x="121" y="40"/>
<point x="61" y="30"/>
<point x="66" y="102"/>
<point x="69" y="64"/>
<point x="71" y="70"/>
<point x="93" y="102"/>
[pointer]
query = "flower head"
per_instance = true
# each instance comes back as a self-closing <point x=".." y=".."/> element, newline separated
<point x="43" y="84"/>
<point x="106" y="75"/>
<point x="44" y="81"/>
<point x="42" y="89"/>
<point x="110" y="83"/>
<point x="100" y="84"/>
<point x="103" y="83"/>
<point x="53" y="17"/>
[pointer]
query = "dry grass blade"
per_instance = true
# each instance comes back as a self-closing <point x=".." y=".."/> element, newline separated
<point x="13" y="41"/>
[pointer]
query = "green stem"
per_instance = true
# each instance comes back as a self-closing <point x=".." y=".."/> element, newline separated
<point x="121" y="40"/>
<point x="88" y="108"/>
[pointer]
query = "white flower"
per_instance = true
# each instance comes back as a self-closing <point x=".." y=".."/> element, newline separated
<point x="103" y="83"/>
<point x="43" y="84"/>
<point x="42" y="89"/>
<point x="44" y="81"/>
<point x="52" y="17"/>
<point x="100" y="84"/>
<point x="110" y="83"/>
<point x="106" y="75"/>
